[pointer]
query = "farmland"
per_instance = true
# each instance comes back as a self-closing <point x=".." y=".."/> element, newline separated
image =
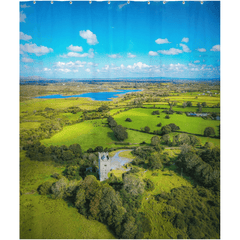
<point x="60" y="138"/>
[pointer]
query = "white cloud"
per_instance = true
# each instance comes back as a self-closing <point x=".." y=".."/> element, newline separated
<point x="152" y="53"/>
<point x="197" y="61"/>
<point x="185" y="47"/>
<point x="139" y="65"/>
<point x="171" y="51"/>
<point x="88" y="70"/>
<point x="130" y="55"/>
<point x="162" y="41"/>
<point x="75" y="48"/>
<point x="24" y="37"/>
<point x="90" y="54"/>
<point x="22" y="16"/>
<point x="215" y="48"/>
<point x="114" y="55"/>
<point x="25" y="6"/>
<point x="122" y="5"/>
<point x="66" y="70"/>
<point x="76" y="70"/>
<point x="186" y="40"/>
<point x="201" y="49"/>
<point x="46" y="69"/>
<point x="27" y="59"/>
<point x="89" y="36"/>
<point x="33" y="48"/>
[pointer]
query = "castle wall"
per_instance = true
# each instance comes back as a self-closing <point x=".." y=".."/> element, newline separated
<point x="104" y="164"/>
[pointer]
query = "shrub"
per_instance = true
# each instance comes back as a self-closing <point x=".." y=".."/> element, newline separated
<point x="59" y="188"/>
<point x="147" y="129"/>
<point x="209" y="131"/>
<point x="167" y="117"/>
<point x="155" y="112"/>
<point x="159" y="125"/>
<point x="120" y="133"/>
<point x="128" y="120"/>
<point x="45" y="188"/>
<point x="155" y="140"/>
<point x="149" y="184"/>
<point x="166" y="129"/>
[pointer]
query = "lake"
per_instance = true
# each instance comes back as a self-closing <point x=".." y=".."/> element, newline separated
<point x="97" y="96"/>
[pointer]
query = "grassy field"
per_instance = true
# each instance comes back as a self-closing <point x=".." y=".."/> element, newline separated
<point x="93" y="133"/>
<point x="142" y="117"/>
<point x="44" y="218"/>
<point x="41" y="104"/>
<point x="186" y="109"/>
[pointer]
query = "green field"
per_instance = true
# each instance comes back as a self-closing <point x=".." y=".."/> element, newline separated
<point x="186" y="109"/>
<point x="29" y="125"/>
<point x="142" y="117"/>
<point x="93" y="133"/>
<point x="44" y="218"/>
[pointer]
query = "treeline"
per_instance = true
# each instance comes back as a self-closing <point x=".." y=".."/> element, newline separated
<point x="202" y="165"/>
<point x="119" y="131"/>
<point x="198" y="211"/>
<point x="99" y="201"/>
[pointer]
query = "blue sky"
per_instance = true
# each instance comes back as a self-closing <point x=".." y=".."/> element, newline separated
<point x="119" y="40"/>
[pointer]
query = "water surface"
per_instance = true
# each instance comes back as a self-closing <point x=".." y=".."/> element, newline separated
<point x="97" y="96"/>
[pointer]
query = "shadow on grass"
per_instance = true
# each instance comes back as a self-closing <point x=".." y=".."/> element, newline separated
<point x="112" y="136"/>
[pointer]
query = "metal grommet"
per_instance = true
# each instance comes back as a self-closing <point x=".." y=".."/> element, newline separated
<point x="148" y="2"/>
<point x="90" y="2"/>
<point x="183" y="2"/>
<point x="164" y="2"/>
<point x="201" y="2"/>
<point x="128" y="2"/>
<point x="34" y="2"/>
<point x="51" y="2"/>
<point x="109" y="2"/>
<point x="70" y="2"/>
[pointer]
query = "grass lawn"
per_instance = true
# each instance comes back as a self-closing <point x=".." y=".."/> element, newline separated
<point x="142" y="117"/>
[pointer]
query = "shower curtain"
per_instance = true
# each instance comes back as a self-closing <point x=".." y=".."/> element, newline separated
<point x="119" y="119"/>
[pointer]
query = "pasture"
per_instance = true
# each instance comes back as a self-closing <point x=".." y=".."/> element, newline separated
<point x="93" y="133"/>
<point x="143" y="117"/>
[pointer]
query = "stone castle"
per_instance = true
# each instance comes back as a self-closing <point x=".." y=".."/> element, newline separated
<point x="104" y="163"/>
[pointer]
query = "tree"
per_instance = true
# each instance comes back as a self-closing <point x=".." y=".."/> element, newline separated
<point x="209" y="131"/>
<point x="155" y="140"/>
<point x="133" y="185"/>
<point x="111" y="122"/>
<point x="156" y="112"/>
<point x="173" y="126"/>
<point x="167" y="117"/>
<point x="166" y="139"/>
<point x="120" y="132"/>
<point x="103" y="108"/>
<point x="147" y="129"/>
<point x="76" y="149"/>
<point x="128" y="120"/>
<point x="189" y="104"/>
<point x="59" y="188"/>
<point x="166" y="129"/>
<point x="204" y="104"/>
<point x="155" y="162"/>
<point x="184" y="104"/>
<point x="98" y="149"/>
<point x="159" y="124"/>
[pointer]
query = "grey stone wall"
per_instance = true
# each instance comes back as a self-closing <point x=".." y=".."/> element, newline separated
<point x="104" y="163"/>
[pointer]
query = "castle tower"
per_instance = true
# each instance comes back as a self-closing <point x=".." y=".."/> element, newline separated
<point x="104" y="165"/>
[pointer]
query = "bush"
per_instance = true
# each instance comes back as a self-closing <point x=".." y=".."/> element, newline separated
<point x="128" y="120"/>
<point x="159" y="125"/>
<point x="209" y="131"/>
<point x="45" y="188"/>
<point x="59" y="188"/>
<point x="155" y="140"/>
<point x="167" y="117"/>
<point x="147" y="129"/>
<point x="120" y="133"/>
<point x="166" y="129"/>
<point x="149" y="184"/>
<point x="155" y="112"/>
